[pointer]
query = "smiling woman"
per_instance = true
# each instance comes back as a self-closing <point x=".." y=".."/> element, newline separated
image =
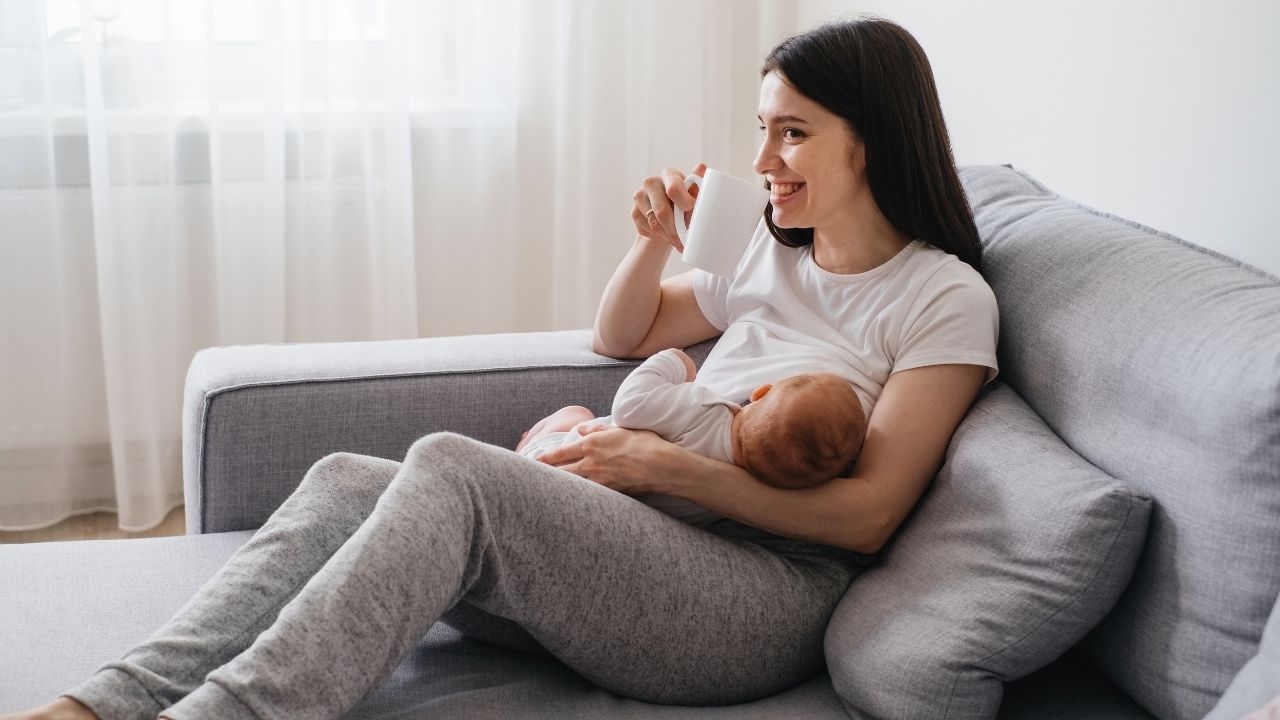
<point x="368" y="552"/>
<point x="882" y="117"/>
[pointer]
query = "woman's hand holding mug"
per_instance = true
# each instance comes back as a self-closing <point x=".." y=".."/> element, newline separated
<point x="658" y="199"/>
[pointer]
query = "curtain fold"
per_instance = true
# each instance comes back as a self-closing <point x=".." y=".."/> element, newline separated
<point x="179" y="175"/>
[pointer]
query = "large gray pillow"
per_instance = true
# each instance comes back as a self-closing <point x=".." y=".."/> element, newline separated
<point x="1258" y="682"/>
<point x="1155" y="360"/>
<point x="1019" y="547"/>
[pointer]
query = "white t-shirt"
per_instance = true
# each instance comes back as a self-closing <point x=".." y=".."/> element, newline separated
<point x="782" y="314"/>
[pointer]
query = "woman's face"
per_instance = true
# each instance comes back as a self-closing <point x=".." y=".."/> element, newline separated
<point x="815" y="165"/>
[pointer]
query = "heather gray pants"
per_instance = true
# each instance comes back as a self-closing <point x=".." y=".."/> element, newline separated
<point x="349" y="573"/>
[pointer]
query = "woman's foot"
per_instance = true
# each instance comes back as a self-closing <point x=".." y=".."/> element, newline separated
<point x="64" y="708"/>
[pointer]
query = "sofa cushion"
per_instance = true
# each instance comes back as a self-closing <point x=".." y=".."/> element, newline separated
<point x="1018" y="549"/>
<point x="1258" y="683"/>
<point x="1159" y="362"/>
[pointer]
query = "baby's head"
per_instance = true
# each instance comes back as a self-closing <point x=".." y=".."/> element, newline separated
<point x="801" y="432"/>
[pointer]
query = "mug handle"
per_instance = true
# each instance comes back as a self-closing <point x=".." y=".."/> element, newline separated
<point x="681" y="230"/>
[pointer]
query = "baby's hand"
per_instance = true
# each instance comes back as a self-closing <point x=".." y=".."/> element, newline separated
<point x="690" y="370"/>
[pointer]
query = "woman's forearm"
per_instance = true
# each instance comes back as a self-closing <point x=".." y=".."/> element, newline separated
<point x="840" y="512"/>
<point x="631" y="299"/>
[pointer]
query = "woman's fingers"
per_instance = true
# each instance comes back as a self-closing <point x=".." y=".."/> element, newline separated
<point x="558" y="456"/>
<point x="586" y="427"/>
<point x="661" y="212"/>
<point x="681" y="197"/>
<point x="659" y="199"/>
<point x="642" y="215"/>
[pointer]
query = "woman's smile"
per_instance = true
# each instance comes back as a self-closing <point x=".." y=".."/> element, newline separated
<point x="781" y="194"/>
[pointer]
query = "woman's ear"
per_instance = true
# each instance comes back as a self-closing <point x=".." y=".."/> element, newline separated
<point x="859" y="154"/>
<point x="760" y="392"/>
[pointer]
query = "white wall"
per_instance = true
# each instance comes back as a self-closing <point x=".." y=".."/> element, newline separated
<point x="1163" y="112"/>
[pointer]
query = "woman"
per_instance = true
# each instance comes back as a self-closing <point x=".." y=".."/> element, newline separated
<point x="367" y="553"/>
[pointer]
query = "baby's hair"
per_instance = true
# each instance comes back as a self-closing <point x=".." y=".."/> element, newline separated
<point x="810" y="438"/>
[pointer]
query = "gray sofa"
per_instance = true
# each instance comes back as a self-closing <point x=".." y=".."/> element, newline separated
<point x="1119" y="485"/>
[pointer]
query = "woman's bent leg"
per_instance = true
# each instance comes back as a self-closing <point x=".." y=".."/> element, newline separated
<point x="243" y="598"/>
<point x="640" y="603"/>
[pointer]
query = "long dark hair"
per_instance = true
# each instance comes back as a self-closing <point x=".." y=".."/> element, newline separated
<point x="874" y="74"/>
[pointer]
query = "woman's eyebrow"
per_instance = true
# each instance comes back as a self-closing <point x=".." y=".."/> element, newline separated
<point x="786" y="119"/>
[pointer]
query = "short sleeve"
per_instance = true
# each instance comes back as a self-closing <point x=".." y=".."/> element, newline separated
<point x="712" y="294"/>
<point x="955" y="321"/>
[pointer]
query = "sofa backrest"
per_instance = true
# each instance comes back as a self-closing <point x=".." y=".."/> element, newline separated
<point x="1159" y="362"/>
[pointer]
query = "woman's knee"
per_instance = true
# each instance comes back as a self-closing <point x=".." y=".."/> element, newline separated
<point x="345" y="473"/>
<point x="438" y="444"/>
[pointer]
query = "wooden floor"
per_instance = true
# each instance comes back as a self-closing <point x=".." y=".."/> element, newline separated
<point x="96" y="526"/>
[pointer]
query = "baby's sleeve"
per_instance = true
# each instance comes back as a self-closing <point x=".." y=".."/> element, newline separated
<point x="655" y="396"/>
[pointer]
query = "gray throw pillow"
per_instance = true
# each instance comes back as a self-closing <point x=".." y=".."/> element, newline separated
<point x="1258" y="682"/>
<point x="1019" y="547"/>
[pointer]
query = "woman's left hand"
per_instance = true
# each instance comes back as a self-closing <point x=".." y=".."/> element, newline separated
<point x="628" y="461"/>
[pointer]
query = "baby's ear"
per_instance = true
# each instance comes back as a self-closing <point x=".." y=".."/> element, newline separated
<point x="761" y="392"/>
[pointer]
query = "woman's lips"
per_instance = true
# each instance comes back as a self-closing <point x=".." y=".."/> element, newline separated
<point x="782" y="193"/>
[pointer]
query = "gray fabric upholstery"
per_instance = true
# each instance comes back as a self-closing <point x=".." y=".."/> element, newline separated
<point x="1259" y="681"/>
<point x="257" y="416"/>
<point x="1159" y="362"/>
<point x="1018" y="549"/>
<point x="68" y="607"/>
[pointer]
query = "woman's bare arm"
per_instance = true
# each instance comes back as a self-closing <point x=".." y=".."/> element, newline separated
<point x="640" y="313"/>
<point x="907" y="438"/>
<point x="638" y="318"/>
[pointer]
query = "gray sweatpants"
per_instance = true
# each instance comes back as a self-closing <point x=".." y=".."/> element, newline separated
<point x="348" y="574"/>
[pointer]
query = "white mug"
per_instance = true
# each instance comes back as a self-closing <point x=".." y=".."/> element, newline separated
<point x="725" y="215"/>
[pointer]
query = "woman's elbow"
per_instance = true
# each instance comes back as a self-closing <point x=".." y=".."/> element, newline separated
<point x="597" y="345"/>
<point x="871" y="536"/>
<point x="600" y="347"/>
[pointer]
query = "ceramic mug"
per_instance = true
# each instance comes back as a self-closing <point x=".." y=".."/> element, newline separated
<point x="725" y="215"/>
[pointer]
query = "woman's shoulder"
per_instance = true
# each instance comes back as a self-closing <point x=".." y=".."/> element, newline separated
<point x="940" y="276"/>
<point x="933" y="266"/>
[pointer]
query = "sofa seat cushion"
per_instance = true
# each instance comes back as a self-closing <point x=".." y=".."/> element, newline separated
<point x="66" y="608"/>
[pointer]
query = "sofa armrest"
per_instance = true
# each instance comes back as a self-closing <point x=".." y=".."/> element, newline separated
<point x="256" y="417"/>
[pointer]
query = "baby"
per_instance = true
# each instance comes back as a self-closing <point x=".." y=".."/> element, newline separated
<point x="800" y="432"/>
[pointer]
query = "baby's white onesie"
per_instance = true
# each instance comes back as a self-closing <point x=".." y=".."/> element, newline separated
<point x="655" y="396"/>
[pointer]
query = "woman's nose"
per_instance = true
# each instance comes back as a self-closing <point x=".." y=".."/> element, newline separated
<point x="766" y="159"/>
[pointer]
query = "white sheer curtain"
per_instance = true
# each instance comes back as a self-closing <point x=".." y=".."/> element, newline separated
<point x="178" y="174"/>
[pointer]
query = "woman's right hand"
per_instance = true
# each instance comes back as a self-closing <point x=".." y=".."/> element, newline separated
<point x="658" y="199"/>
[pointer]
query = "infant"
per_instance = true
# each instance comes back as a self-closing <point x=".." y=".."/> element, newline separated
<point x="797" y="433"/>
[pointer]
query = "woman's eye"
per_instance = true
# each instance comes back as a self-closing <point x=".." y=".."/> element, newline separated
<point x="798" y="133"/>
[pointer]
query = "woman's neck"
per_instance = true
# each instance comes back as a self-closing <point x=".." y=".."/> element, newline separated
<point x="862" y="240"/>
